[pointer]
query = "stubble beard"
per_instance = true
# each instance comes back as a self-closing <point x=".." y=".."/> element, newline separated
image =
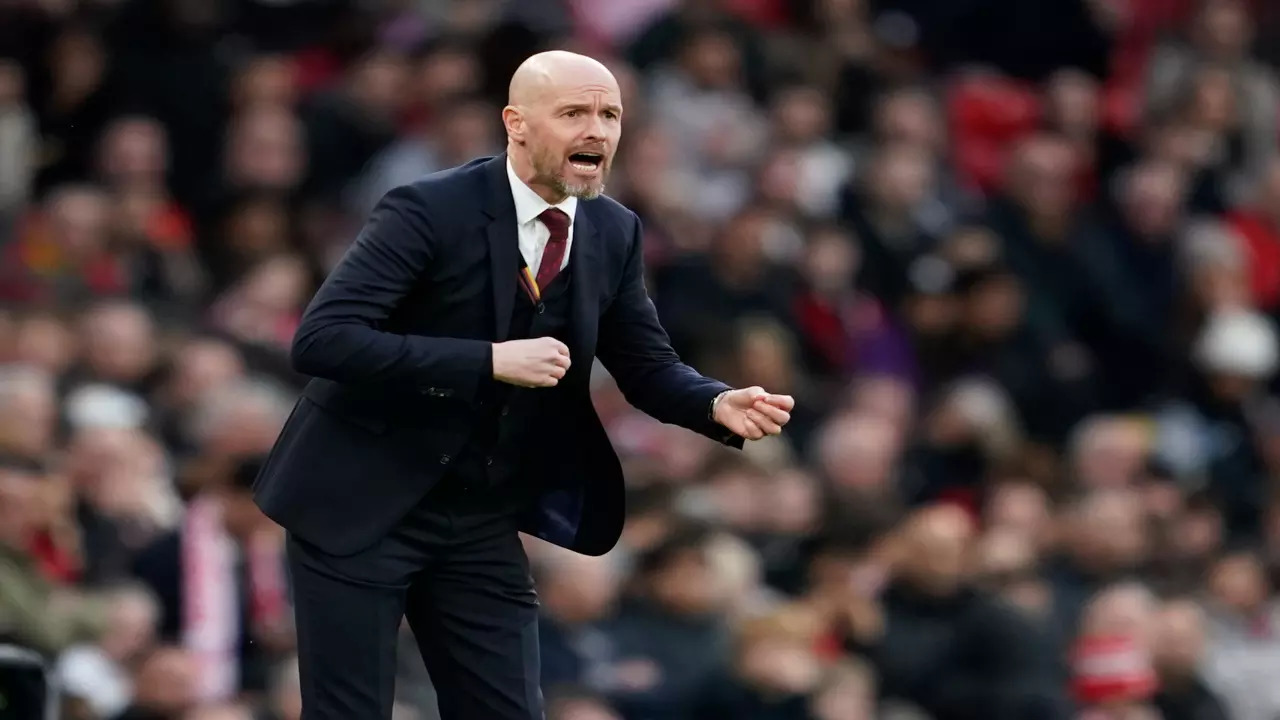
<point x="548" y="173"/>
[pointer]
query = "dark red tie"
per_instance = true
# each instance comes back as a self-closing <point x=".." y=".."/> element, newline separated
<point x="558" y="223"/>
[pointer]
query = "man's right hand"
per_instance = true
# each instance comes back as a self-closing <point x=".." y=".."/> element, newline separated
<point x="540" y="362"/>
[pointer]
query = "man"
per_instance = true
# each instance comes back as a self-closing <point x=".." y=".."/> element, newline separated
<point x="452" y="350"/>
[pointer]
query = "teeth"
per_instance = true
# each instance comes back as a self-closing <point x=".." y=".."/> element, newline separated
<point x="585" y="167"/>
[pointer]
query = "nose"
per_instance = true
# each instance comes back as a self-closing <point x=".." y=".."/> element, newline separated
<point x="595" y="129"/>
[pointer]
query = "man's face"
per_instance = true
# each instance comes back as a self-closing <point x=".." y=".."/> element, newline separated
<point x="572" y="134"/>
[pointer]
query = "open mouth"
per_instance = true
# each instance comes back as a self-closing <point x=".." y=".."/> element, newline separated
<point x="586" y="161"/>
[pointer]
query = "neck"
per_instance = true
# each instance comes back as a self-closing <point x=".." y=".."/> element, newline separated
<point x="524" y="170"/>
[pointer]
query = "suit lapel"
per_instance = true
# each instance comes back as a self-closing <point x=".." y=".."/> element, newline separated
<point x="504" y="245"/>
<point x="585" y="268"/>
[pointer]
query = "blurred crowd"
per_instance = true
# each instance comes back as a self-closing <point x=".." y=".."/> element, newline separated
<point x="1019" y="263"/>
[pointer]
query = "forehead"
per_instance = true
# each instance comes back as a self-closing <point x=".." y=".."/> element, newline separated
<point x="574" y="91"/>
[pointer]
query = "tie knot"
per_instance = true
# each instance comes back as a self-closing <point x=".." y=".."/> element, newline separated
<point x="557" y="221"/>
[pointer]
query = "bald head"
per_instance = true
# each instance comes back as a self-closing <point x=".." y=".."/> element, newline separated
<point x="538" y="77"/>
<point x="563" y="122"/>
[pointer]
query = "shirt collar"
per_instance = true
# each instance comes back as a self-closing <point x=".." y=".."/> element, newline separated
<point x="529" y="205"/>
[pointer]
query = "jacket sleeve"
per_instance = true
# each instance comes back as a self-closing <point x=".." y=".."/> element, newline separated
<point x="340" y="336"/>
<point x="636" y="350"/>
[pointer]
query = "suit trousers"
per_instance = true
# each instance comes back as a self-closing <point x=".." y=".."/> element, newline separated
<point x="456" y="569"/>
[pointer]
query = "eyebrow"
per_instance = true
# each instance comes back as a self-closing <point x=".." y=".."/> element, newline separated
<point x="586" y="106"/>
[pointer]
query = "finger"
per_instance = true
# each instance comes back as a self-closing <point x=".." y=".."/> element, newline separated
<point x="755" y="392"/>
<point x="753" y="431"/>
<point x="768" y="426"/>
<point x="561" y="361"/>
<point x="782" y="402"/>
<point x="560" y="347"/>
<point x="774" y="413"/>
<point x="558" y="372"/>
<point x="549" y="381"/>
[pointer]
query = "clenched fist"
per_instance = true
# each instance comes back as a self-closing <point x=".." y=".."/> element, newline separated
<point x="540" y="362"/>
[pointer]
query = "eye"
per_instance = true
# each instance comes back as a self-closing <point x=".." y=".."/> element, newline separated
<point x="611" y="114"/>
<point x="571" y="113"/>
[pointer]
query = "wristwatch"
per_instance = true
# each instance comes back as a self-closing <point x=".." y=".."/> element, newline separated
<point x="711" y="411"/>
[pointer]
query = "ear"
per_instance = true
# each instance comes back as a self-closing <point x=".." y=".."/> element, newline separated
<point x="513" y="122"/>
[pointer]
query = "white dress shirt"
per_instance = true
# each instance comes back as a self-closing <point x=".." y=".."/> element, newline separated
<point x="532" y="233"/>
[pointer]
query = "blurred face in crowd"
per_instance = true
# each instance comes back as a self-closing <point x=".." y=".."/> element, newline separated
<point x="1239" y="583"/>
<point x="858" y="453"/>
<point x="446" y="73"/>
<point x="1042" y="178"/>
<point x="264" y="149"/>
<point x="793" y="503"/>
<point x="994" y="306"/>
<point x="134" y="150"/>
<point x="166" y="682"/>
<point x="971" y="247"/>
<point x="736" y="497"/>
<point x="1107" y="531"/>
<point x="686" y="585"/>
<point x="1073" y="103"/>
<point x="887" y="397"/>
<point x="267" y="81"/>
<point x="1213" y="104"/>
<point x="28" y="413"/>
<point x="78" y="63"/>
<point x="830" y="258"/>
<point x="577" y="588"/>
<point x="779" y="179"/>
<point x="1179" y="639"/>
<point x="1223" y="30"/>
<point x="1152" y="199"/>
<point x="780" y="659"/>
<point x="120" y="342"/>
<point x="46" y="342"/>
<point x="1021" y="508"/>
<point x="767" y="358"/>
<point x="79" y="218"/>
<point x="468" y="131"/>
<point x="910" y="117"/>
<point x="200" y="367"/>
<point x="801" y="116"/>
<point x="378" y="82"/>
<point x="934" y="550"/>
<point x="901" y="178"/>
<point x="1109" y="452"/>
<point x="739" y="249"/>
<point x="563" y="123"/>
<point x="712" y="60"/>
<point x="1003" y="556"/>
<point x="847" y="695"/>
<point x="257" y="228"/>
<point x="1125" y="610"/>
<point x="134" y="616"/>
<point x="1197" y="533"/>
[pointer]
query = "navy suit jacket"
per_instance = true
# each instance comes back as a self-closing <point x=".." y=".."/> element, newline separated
<point x="399" y="342"/>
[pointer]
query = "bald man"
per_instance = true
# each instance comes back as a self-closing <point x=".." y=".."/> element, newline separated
<point x="451" y="351"/>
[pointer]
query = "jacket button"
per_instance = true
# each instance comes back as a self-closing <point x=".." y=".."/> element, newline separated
<point x="505" y="411"/>
<point x="488" y="461"/>
<point x="445" y="459"/>
<point x="541" y="308"/>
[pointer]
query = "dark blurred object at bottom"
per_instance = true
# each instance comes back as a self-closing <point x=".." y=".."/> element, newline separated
<point x="25" y="692"/>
